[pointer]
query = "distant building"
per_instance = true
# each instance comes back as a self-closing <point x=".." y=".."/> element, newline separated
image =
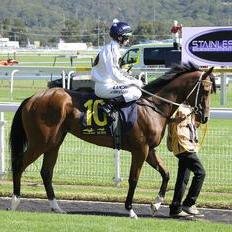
<point x="6" y="43"/>
<point x="71" y="46"/>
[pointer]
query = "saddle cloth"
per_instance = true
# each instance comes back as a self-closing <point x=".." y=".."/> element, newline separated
<point x="94" y="121"/>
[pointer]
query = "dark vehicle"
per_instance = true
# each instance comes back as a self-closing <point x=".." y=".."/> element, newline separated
<point x="144" y="56"/>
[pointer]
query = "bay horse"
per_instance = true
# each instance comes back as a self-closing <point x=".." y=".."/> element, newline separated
<point x="42" y="121"/>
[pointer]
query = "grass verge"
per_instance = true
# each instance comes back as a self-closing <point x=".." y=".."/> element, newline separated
<point x="22" y="221"/>
<point x="113" y="194"/>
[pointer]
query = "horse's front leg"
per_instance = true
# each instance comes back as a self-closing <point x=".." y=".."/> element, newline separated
<point x="136" y="165"/>
<point x="156" y="162"/>
<point x="46" y="172"/>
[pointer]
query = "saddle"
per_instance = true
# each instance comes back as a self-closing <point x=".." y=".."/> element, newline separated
<point x="107" y="117"/>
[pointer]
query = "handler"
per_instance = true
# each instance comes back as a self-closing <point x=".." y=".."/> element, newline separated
<point x="183" y="142"/>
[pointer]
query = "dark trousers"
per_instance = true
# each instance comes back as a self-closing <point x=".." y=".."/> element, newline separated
<point x="187" y="162"/>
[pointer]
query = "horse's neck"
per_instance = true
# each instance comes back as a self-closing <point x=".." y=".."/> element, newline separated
<point x="176" y="92"/>
<point x="167" y="107"/>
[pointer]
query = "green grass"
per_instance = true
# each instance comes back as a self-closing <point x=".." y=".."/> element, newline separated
<point x="215" y="98"/>
<point x="146" y="195"/>
<point x="36" y="222"/>
<point x="22" y="89"/>
<point x="34" y="59"/>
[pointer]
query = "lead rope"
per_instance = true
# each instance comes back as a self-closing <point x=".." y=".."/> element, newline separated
<point x="203" y="135"/>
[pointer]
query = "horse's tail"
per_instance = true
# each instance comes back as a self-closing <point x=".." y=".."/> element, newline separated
<point x="18" y="139"/>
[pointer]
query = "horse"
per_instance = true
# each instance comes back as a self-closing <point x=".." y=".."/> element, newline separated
<point x="42" y="121"/>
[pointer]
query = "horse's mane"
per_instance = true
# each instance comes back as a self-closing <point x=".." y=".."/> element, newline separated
<point x="173" y="73"/>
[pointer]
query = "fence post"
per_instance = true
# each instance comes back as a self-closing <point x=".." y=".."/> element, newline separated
<point x="223" y="89"/>
<point x="12" y="82"/>
<point x="69" y="78"/>
<point x="2" y="157"/>
<point x="143" y="77"/>
<point x="117" y="179"/>
<point x="63" y="74"/>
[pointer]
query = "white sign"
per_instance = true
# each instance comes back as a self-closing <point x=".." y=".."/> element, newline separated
<point x="207" y="46"/>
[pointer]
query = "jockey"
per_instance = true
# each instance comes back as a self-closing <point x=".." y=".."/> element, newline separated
<point x="110" y="81"/>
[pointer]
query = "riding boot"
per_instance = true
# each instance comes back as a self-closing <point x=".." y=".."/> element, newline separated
<point x="107" y="108"/>
<point x="112" y="105"/>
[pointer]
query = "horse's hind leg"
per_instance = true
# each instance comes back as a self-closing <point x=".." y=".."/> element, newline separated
<point x="136" y="164"/>
<point x="46" y="172"/>
<point x="19" y="165"/>
<point x="156" y="162"/>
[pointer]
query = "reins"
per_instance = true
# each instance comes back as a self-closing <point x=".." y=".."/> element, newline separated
<point x="196" y="86"/>
<point x="158" y="97"/>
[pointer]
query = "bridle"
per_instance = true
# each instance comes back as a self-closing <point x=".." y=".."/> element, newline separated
<point x="197" y="106"/>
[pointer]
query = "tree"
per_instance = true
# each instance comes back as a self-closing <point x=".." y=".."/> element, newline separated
<point x="15" y="30"/>
<point x="71" y="32"/>
<point x="147" y="30"/>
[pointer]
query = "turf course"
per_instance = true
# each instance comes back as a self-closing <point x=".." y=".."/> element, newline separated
<point x="45" y="222"/>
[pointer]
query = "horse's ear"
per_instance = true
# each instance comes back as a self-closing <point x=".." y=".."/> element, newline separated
<point x="207" y="73"/>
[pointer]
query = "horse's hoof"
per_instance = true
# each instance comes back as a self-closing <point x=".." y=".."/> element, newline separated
<point x="154" y="208"/>
<point x="132" y="214"/>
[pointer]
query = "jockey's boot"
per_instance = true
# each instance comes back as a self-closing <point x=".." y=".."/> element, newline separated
<point x="107" y="108"/>
<point x="111" y="106"/>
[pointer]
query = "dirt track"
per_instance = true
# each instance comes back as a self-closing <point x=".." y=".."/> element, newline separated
<point x="110" y="209"/>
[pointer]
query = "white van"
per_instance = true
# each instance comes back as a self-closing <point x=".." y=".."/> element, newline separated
<point x="145" y="56"/>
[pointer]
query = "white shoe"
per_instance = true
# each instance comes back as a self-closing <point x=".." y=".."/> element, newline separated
<point x="181" y="214"/>
<point x="191" y="210"/>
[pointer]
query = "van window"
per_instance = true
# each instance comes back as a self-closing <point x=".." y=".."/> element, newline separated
<point x="130" y="57"/>
<point x="156" y="56"/>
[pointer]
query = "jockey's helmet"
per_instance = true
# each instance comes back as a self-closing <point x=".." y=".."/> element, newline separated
<point x="120" y="29"/>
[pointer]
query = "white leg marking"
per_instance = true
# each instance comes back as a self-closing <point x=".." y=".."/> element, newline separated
<point x="155" y="207"/>
<point x="55" y="207"/>
<point x="132" y="214"/>
<point x="14" y="202"/>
